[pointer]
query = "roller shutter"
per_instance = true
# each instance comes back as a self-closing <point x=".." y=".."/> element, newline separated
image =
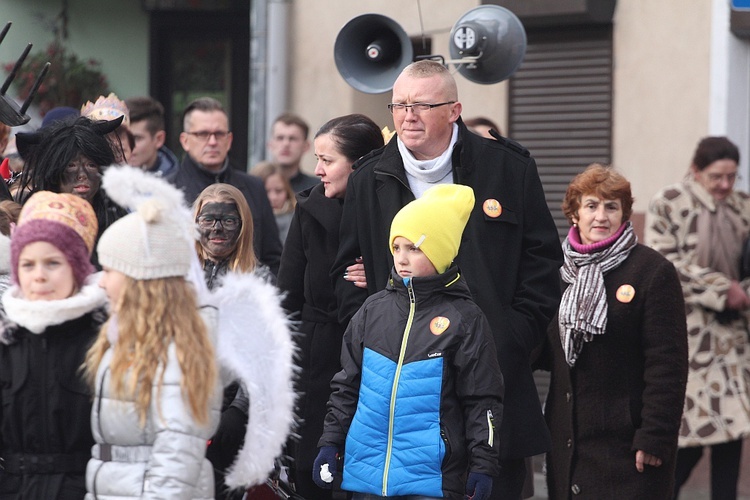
<point x="561" y="106"/>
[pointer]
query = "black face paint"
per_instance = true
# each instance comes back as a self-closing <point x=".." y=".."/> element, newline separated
<point x="81" y="177"/>
<point x="217" y="240"/>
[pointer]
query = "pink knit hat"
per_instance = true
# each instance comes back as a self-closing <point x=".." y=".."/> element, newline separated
<point x="64" y="220"/>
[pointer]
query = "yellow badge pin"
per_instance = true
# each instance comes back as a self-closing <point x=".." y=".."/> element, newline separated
<point x="439" y="324"/>
<point x="625" y="293"/>
<point x="492" y="208"/>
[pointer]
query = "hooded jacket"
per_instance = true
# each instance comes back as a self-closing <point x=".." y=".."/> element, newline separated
<point x="419" y="396"/>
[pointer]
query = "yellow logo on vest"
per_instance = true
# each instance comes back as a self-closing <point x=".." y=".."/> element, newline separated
<point x="625" y="294"/>
<point x="439" y="324"/>
<point x="492" y="208"/>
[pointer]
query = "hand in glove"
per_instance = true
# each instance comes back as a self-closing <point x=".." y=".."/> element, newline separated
<point x="325" y="462"/>
<point x="478" y="486"/>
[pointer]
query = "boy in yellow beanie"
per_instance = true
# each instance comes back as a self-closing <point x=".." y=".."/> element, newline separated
<point x="417" y="403"/>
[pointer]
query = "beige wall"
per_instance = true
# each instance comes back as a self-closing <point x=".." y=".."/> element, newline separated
<point x="661" y="90"/>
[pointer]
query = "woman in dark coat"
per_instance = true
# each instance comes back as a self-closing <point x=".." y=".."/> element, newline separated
<point x="617" y="351"/>
<point x="306" y="261"/>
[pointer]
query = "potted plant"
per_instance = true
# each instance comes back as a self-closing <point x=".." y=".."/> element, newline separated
<point x="69" y="81"/>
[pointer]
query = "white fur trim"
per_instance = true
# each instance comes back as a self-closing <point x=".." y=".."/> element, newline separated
<point x="37" y="315"/>
<point x="255" y="344"/>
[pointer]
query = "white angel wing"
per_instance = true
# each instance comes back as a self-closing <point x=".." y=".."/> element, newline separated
<point x="255" y="344"/>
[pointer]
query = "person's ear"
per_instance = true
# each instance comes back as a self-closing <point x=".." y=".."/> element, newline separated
<point x="160" y="136"/>
<point x="184" y="138"/>
<point x="306" y="148"/>
<point x="694" y="172"/>
<point x="456" y="109"/>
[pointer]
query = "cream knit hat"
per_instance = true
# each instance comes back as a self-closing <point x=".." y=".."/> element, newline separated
<point x="435" y="221"/>
<point x="155" y="241"/>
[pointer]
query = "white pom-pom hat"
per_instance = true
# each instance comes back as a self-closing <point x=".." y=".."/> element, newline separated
<point x="156" y="239"/>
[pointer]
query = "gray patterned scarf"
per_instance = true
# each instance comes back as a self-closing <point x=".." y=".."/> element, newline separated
<point x="583" y="308"/>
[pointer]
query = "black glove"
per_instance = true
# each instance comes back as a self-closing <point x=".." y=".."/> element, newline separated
<point x="478" y="486"/>
<point x="326" y="456"/>
<point x="229" y="437"/>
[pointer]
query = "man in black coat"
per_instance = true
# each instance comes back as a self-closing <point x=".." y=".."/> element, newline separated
<point x="510" y="252"/>
<point x="206" y="140"/>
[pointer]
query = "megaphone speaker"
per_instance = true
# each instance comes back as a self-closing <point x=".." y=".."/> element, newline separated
<point x="496" y="36"/>
<point x="370" y="52"/>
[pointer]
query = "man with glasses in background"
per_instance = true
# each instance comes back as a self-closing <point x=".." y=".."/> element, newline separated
<point x="510" y="252"/>
<point x="206" y="139"/>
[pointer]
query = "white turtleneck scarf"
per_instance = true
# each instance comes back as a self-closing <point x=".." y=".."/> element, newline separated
<point x="423" y="174"/>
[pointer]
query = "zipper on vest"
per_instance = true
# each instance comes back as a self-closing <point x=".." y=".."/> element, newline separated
<point x="392" y="407"/>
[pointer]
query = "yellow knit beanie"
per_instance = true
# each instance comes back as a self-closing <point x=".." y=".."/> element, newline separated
<point x="435" y="222"/>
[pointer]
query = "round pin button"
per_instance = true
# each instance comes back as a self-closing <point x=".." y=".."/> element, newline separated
<point x="492" y="208"/>
<point x="625" y="293"/>
<point x="439" y="324"/>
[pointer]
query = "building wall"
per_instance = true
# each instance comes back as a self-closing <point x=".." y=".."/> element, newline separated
<point x="113" y="32"/>
<point x="661" y="90"/>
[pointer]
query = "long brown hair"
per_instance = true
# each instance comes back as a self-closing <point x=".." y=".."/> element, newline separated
<point x="243" y="257"/>
<point x="151" y="315"/>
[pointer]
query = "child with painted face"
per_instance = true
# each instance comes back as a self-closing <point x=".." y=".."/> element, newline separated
<point x="69" y="157"/>
<point x="225" y="225"/>
<point x="53" y="312"/>
<point x="418" y="401"/>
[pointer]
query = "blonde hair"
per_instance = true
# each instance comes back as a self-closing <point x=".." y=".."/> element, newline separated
<point x="265" y="169"/>
<point x="243" y="258"/>
<point x="151" y="315"/>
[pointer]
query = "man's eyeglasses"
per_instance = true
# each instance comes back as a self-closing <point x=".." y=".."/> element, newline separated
<point x="417" y="107"/>
<point x="204" y="135"/>
<point x="209" y="221"/>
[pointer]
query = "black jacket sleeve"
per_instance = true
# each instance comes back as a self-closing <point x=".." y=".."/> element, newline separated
<point x="348" y="296"/>
<point x="292" y="268"/>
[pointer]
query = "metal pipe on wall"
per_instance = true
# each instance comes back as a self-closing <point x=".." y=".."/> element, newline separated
<point x="256" y="150"/>
<point x="277" y="74"/>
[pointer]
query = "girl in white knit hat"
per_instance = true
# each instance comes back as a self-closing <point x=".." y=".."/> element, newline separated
<point x="157" y="365"/>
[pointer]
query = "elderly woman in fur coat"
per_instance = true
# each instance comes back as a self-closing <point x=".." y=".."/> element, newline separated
<point x="700" y="225"/>
<point x="617" y="351"/>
